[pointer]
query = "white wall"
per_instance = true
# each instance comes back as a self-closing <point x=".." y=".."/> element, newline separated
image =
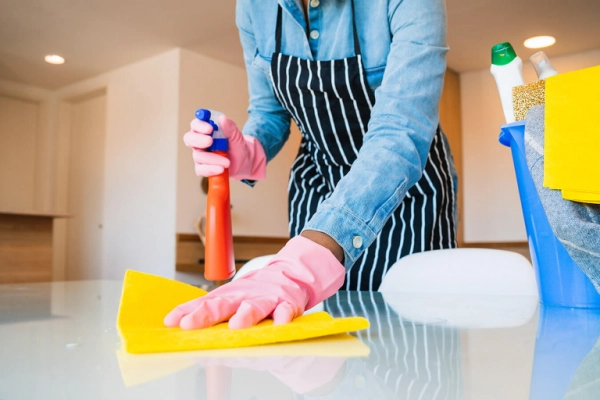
<point x="492" y="210"/>
<point x="38" y="127"/>
<point x="85" y="241"/>
<point x="19" y="121"/>
<point x="140" y="163"/>
<point x="258" y="211"/>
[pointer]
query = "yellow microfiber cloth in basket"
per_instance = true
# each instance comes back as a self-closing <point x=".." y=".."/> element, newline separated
<point x="572" y="135"/>
<point x="146" y="299"/>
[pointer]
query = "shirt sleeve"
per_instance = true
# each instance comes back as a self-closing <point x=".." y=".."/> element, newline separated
<point x="403" y="123"/>
<point x="267" y="120"/>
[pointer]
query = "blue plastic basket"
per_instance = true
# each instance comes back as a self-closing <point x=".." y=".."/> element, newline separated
<point x="560" y="280"/>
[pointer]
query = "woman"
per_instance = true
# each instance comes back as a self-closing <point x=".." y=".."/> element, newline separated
<point x="373" y="180"/>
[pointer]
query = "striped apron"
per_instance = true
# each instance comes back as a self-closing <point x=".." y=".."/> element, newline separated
<point x="331" y="103"/>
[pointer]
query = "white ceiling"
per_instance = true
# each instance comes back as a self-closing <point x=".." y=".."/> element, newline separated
<point x="97" y="36"/>
<point x="474" y="26"/>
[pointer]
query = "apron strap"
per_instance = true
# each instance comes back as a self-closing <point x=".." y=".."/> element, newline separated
<point x="355" y="31"/>
<point x="278" y="31"/>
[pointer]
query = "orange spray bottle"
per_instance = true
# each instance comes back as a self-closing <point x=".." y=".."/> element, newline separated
<point x="219" y="263"/>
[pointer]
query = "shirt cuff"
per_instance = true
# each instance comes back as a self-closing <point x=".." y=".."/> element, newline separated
<point x="349" y="231"/>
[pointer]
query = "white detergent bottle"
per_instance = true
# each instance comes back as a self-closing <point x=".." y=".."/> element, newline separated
<point x="542" y="65"/>
<point x="507" y="69"/>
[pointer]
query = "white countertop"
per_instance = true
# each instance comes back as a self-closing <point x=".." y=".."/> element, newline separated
<point x="59" y="341"/>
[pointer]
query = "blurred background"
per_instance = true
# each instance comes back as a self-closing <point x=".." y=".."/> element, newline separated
<point x="92" y="164"/>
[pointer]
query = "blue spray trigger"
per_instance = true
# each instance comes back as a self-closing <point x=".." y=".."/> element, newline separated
<point x="214" y="126"/>
<point x="203" y="114"/>
<point x="219" y="144"/>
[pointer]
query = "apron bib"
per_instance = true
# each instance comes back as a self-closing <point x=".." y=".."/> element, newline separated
<point x="331" y="103"/>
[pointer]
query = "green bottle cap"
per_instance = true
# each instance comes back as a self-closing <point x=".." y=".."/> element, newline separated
<point x="503" y="53"/>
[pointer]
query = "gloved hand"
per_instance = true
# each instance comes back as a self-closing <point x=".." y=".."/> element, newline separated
<point x="246" y="156"/>
<point x="301" y="275"/>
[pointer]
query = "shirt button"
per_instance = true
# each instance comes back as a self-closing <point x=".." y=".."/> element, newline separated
<point x="357" y="242"/>
<point x="315" y="3"/>
<point x="314" y="34"/>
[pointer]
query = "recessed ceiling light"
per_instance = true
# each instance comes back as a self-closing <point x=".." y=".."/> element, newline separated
<point x="538" y="42"/>
<point x="54" y="59"/>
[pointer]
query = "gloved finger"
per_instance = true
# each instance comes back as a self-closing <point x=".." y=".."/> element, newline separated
<point x="174" y="317"/>
<point x="251" y="312"/>
<point x="284" y="313"/>
<point x="201" y="127"/>
<point x="208" y="170"/>
<point x="208" y="158"/>
<point x="196" y="140"/>
<point x="230" y="130"/>
<point x="210" y="312"/>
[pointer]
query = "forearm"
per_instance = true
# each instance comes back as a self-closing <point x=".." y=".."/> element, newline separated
<point x="326" y="241"/>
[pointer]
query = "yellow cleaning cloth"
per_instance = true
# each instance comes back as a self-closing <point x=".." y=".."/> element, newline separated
<point x="582" y="197"/>
<point x="146" y="299"/>
<point x="572" y="134"/>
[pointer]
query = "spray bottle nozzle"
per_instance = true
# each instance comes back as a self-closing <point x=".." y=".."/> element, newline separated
<point x="220" y="143"/>
<point x="203" y="115"/>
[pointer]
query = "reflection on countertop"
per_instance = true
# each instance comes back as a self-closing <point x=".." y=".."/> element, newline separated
<point x="565" y="338"/>
<point x="58" y="340"/>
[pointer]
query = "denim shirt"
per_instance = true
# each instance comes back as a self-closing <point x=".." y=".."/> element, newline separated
<point x="403" y="45"/>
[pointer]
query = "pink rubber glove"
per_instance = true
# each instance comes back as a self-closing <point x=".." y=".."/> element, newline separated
<point x="301" y="275"/>
<point x="246" y="157"/>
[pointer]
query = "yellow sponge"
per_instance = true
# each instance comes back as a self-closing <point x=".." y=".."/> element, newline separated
<point x="572" y="134"/>
<point x="526" y="96"/>
<point x="146" y="299"/>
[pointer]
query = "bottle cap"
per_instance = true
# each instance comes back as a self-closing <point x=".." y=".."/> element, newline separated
<point x="542" y="65"/>
<point x="503" y="53"/>
<point x="203" y="115"/>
